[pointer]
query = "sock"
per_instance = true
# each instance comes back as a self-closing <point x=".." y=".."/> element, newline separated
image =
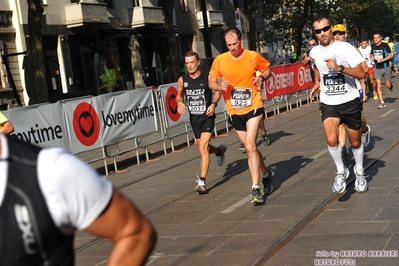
<point x="203" y="179"/>
<point x="255" y="186"/>
<point x="335" y="153"/>
<point x="358" y="155"/>
<point x="219" y="152"/>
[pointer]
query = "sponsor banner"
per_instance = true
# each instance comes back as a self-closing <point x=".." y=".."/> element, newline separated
<point x="169" y="94"/>
<point x="287" y="79"/>
<point x="83" y="123"/>
<point x="126" y="114"/>
<point x="42" y="125"/>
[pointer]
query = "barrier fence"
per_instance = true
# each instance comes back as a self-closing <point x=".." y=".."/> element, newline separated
<point x="95" y="128"/>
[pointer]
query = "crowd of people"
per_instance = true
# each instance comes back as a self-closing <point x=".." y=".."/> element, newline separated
<point x="59" y="194"/>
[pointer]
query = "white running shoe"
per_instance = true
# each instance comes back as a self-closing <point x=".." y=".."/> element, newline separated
<point x="200" y="188"/>
<point x="340" y="181"/>
<point x="361" y="182"/>
<point x="366" y="137"/>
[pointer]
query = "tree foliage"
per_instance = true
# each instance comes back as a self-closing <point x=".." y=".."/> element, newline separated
<point x="35" y="12"/>
<point x="173" y="57"/>
<point x="290" y="21"/>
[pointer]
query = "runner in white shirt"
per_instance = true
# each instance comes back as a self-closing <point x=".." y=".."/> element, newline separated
<point x="48" y="194"/>
<point x="365" y="50"/>
<point x="338" y="65"/>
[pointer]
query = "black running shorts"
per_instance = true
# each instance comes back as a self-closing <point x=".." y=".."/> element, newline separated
<point x="206" y="126"/>
<point x="239" y="122"/>
<point x="350" y="113"/>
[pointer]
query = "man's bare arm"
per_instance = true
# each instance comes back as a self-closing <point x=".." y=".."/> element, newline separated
<point x="128" y="228"/>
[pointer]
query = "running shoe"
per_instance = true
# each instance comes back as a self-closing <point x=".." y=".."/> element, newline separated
<point x="267" y="182"/>
<point x="382" y="105"/>
<point x="242" y="147"/>
<point x="220" y="158"/>
<point x="344" y="155"/>
<point x="366" y="137"/>
<point x="375" y="96"/>
<point x="340" y="181"/>
<point x="391" y="88"/>
<point x="201" y="188"/>
<point x="256" y="196"/>
<point x="360" y="183"/>
<point x="265" y="140"/>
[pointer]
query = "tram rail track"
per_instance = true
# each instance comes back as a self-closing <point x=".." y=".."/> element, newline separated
<point x="286" y="238"/>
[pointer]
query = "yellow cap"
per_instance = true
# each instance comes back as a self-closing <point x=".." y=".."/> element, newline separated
<point x="339" y="27"/>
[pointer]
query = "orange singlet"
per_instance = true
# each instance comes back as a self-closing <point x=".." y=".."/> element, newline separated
<point x="241" y="74"/>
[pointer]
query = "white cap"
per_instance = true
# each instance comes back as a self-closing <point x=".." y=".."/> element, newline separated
<point x="386" y="39"/>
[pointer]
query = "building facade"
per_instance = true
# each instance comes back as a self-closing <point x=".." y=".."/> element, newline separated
<point x="81" y="38"/>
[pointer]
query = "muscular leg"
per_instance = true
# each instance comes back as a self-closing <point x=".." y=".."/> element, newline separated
<point x="331" y="125"/>
<point x="372" y="83"/>
<point x="255" y="160"/>
<point x="262" y="127"/>
<point x="205" y="149"/>
<point x="379" y="89"/>
<point x="342" y="136"/>
<point x="357" y="147"/>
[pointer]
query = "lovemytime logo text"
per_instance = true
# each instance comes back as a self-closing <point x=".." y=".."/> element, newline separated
<point x="39" y="135"/>
<point x="128" y="116"/>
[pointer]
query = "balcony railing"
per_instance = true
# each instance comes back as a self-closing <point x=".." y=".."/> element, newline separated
<point x="147" y="15"/>
<point x="215" y="18"/>
<point x="79" y="14"/>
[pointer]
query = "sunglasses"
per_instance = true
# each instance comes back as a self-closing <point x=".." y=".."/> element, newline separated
<point x="312" y="44"/>
<point x="326" y="28"/>
<point x="340" y="33"/>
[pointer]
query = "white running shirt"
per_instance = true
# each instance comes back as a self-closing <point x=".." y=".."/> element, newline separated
<point x="75" y="194"/>
<point x="366" y="55"/>
<point x="336" y="88"/>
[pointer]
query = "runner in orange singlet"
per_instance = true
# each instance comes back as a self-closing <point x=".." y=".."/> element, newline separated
<point x="241" y="91"/>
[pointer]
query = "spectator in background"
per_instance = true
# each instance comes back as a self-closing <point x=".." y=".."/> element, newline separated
<point x="306" y="60"/>
<point x="6" y="127"/>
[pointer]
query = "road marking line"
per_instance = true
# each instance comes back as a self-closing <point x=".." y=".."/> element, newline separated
<point x="314" y="157"/>
<point x="387" y="113"/>
<point x="249" y="197"/>
<point x="238" y="204"/>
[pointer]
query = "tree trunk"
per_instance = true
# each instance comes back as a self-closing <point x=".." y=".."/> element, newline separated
<point x="35" y="51"/>
<point x="174" y="62"/>
<point x="251" y="4"/>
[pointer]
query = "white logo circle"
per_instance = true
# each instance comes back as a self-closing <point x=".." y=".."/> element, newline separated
<point x="301" y="76"/>
<point x="270" y="83"/>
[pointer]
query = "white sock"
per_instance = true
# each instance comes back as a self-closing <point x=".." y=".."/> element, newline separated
<point x="358" y="155"/>
<point x="254" y="186"/>
<point x="335" y="153"/>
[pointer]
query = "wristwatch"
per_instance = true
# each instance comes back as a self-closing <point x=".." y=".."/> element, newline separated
<point x="215" y="103"/>
<point x="341" y="68"/>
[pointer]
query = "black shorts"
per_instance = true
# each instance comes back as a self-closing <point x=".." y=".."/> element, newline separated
<point x="206" y="126"/>
<point x="239" y="122"/>
<point x="350" y="113"/>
